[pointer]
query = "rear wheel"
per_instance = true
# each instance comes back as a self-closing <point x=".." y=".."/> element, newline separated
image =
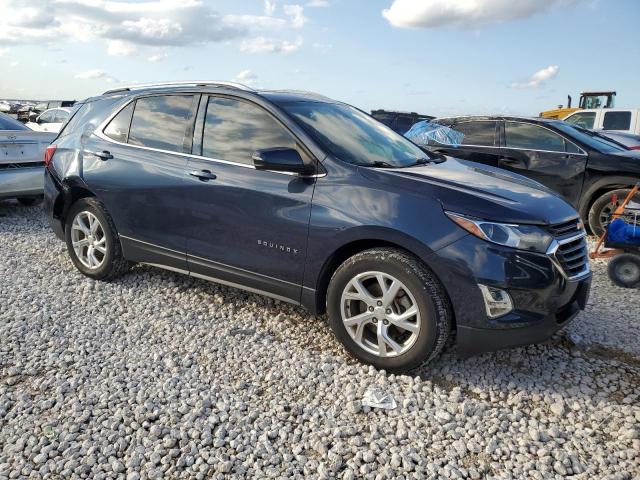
<point x="30" y="201"/>
<point x="602" y="209"/>
<point x="624" y="270"/>
<point x="93" y="242"/>
<point x="388" y="309"/>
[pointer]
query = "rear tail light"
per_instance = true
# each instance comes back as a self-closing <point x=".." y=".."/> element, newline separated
<point x="48" y="154"/>
<point x="635" y="147"/>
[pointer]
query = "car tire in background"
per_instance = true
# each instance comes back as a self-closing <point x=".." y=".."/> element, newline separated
<point x="602" y="209"/>
<point x="30" y="201"/>
<point x="624" y="270"/>
<point x="388" y="309"/>
<point x="92" y="241"/>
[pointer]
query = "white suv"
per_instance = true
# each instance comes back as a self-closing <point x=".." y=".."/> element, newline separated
<point x="618" y="119"/>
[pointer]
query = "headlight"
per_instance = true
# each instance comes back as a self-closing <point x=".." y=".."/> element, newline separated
<point x="522" y="237"/>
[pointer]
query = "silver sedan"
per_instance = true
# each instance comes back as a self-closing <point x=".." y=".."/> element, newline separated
<point x="22" y="161"/>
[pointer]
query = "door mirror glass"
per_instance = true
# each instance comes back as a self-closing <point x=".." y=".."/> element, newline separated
<point x="280" y="160"/>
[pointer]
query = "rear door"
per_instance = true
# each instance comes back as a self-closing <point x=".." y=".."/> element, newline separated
<point x="136" y="165"/>
<point x="245" y="226"/>
<point x="479" y="141"/>
<point x="546" y="156"/>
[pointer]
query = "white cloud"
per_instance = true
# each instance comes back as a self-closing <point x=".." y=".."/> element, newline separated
<point x="14" y="64"/>
<point x="265" y="45"/>
<point x="269" y="7"/>
<point x="439" y="13"/>
<point x="155" y="23"/>
<point x="296" y="12"/>
<point x="318" y="3"/>
<point x="96" y="74"/>
<point x="158" y="57"/>
<point x="119" y="48"/>
<point x="538" y="78"/>
<point x="3" y="51"/>
<point x="246" y="76"/>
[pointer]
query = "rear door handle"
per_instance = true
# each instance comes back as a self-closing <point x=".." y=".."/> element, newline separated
<point x="104" y="155"/>
<point x="204" y="175"/>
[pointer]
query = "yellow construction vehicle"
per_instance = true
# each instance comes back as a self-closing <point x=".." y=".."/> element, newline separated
<point x="599" y="99"/>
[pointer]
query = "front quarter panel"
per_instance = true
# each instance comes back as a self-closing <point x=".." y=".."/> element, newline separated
<point x="348" y="207"/>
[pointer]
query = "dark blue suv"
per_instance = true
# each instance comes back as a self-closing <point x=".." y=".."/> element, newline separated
<point x="312" y="201"/>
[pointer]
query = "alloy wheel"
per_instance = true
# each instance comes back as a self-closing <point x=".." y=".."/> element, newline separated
<point x="380" y="314"/>
<point x="88" y="240"/>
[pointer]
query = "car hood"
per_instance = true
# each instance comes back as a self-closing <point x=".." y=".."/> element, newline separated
<point x="481" y="191"/>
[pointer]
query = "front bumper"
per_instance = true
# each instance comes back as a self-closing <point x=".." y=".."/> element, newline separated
<point x="21" y="182"/>
<point x="544" y="299"/>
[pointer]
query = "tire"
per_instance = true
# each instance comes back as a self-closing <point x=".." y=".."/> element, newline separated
<point x="30" y="201"/>
<point x="603" y="207"/>
<point x="110" y="263"/>
<point x="624" y="270"/>
<point x="419" y="288"/>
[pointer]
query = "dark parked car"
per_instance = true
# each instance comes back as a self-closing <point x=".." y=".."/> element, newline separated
<point x="313" y="202"/>
<point x="629" y="140"/>
<point x="399" y="122"/>
<point x="582" y="166"/>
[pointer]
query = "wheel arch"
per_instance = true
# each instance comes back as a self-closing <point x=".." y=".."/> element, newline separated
<point x="353" y="247"/>
<point x="72" y="191"/>
<point x="601" y="186"/>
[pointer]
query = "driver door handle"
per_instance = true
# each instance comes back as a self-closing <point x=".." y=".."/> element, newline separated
<point x="204" y="175"/>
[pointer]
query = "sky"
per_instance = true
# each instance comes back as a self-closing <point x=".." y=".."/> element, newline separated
<point x="434" y="57"/>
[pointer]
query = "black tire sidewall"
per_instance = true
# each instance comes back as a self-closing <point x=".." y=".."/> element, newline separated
<point x="596" y="208"/>
<point x="427" y="339"/>
<point x="618" y="261"/>
<point x="94" y="207"/>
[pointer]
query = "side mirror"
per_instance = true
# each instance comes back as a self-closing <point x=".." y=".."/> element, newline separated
<point x="281" y="160"/>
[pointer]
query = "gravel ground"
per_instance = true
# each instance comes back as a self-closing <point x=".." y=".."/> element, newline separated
<point x="158" y="375"/>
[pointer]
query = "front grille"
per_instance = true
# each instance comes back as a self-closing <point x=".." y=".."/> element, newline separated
<point x="573" y="256"/>
<point x="572" y="227"/>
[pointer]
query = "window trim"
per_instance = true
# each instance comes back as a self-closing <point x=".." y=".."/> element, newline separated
<point x="581" y="153"/>
<point x="99" y="132"/>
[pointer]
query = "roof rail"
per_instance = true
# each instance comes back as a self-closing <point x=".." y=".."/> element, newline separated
<point x="204" y="83"/>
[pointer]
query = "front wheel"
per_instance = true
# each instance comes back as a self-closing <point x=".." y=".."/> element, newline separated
<point x="388" y="309"/>
<point x="92" y="241"/>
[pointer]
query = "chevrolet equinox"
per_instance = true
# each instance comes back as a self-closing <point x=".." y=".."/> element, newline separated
<point x="311" y="201"/>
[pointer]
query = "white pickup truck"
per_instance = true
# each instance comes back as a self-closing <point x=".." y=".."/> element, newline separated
<point x="615" y="119"/>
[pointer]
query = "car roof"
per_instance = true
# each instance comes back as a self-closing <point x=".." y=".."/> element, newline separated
<point x="466" y="118"/>
<point x="66" y="109"/>
<point x="616" y="109"/>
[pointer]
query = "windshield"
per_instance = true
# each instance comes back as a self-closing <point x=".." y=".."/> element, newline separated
<point x="595" y="141"/>
<point x="353" y="136"/>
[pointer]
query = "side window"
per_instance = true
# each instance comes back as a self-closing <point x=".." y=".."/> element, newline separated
<point x="477" y="133"/>
<point x="118" y="128"/>
<point x="161" y="122"/>
<point x="617" y="121"/>
<point x="532" y="137"/>
<point x="234" y="129"/>
<point x="403" y="124"/>
<point x="47" y="117"/>
<point x="61" y="116"/>
<point x="582" y="119"/>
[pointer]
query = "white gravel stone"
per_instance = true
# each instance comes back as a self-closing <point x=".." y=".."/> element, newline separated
<point x="157" y="375"/>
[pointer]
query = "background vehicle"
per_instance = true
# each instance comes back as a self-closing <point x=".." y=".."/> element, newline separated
<point x="21" y="161"/>
<point x="218" y="181"/>
<point x="51" y="120"/>
<point x="581" y="166"/>
<point x="399" y="122"/>
<point x="629" y="140"/>
<point x="616" y="119"/>
<point x="597" y="99"/>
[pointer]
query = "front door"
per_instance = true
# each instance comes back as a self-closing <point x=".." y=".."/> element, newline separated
<point x="545" y="156"/>
<point x="245" y="226"/>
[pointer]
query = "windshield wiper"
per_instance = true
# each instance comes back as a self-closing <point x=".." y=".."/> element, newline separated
<point x="382" y="164"/>
<point x="423" y="161"/>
